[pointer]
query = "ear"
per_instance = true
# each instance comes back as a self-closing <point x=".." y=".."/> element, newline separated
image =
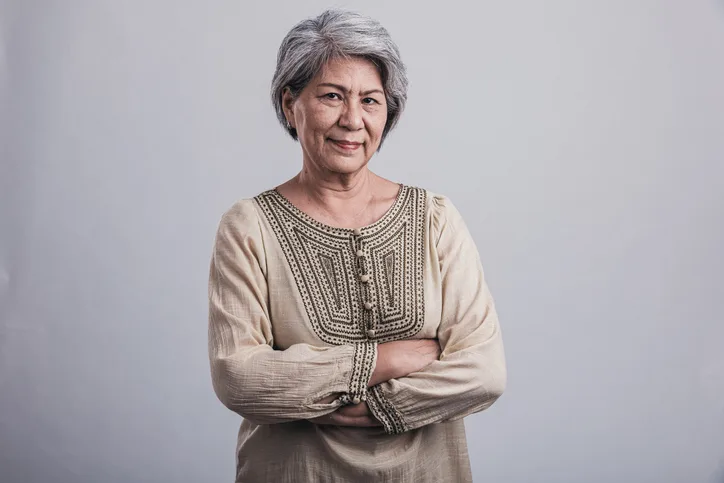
<point x="288" y="105"/>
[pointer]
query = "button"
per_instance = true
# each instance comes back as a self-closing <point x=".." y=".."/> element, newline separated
<point x="369" y="305"/>
<point x="360" y="253"/>
<point x="356" y="400"/>
<point x="371" y="333"/>
<point x="357" y="232"/>
<point x="365" y="278"/>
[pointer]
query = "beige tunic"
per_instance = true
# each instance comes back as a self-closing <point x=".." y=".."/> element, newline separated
<point x="296" y="311"/>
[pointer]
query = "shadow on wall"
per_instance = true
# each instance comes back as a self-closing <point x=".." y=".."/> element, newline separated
<point x="719" y="474"/>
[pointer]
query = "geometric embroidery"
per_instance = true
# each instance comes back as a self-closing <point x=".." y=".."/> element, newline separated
<point x="390" y="275"/>
<point x="328" y="267"/>
<point x="392" y="420"/>
<point x="328" y="270"/>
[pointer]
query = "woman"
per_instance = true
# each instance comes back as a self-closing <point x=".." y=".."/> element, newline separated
<point x="350" y="323"/>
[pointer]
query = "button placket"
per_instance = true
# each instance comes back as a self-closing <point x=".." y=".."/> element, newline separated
<point x="365" y="279"/>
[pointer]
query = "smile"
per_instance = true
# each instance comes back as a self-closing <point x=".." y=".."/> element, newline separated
<point x="346" y="145"/>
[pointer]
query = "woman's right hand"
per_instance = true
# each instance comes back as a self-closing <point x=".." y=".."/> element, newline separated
<point x="400" y="358"/>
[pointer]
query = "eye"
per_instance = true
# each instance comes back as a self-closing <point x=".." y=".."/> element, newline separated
<point x="332" y="95"/>
<point x="370" y="100"/>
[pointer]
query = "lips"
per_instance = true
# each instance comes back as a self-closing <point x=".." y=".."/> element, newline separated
<point x="344" y="145"/>
<point x="351" y="144"/>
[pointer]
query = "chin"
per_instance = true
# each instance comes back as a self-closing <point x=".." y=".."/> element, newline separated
<point x="344" y="164"/>
<point x="347" y="167"/>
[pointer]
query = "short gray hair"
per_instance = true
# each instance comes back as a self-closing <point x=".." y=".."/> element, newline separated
<point x="311" y="43"/>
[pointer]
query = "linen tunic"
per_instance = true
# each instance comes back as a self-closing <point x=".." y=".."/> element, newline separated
<point x="297" y="309"/>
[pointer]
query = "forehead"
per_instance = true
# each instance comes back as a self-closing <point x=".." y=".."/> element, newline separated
<point x="353" y="72"/>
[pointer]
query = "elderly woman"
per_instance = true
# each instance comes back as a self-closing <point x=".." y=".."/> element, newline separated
<point x="350" y="323"/>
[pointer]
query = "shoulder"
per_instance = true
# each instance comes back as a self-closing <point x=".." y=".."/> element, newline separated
<point x="242" y="213"/>
<point x="438" y="206"/>
<point x="239" y="222"/>
<point x="434" y="201"/>
<point x="441" y="213"/>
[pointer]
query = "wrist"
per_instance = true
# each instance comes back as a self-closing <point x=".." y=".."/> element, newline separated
<point x="385" y="366"/>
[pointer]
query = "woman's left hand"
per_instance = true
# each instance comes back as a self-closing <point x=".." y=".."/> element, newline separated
<point x="352" y="415"/>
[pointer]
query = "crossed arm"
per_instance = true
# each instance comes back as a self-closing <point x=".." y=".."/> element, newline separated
<point x="394" y="359"/>
<point x="412" y="384"/>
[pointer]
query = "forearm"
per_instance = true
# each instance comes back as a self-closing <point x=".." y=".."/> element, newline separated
<point x="386" y="368"/>
<point x="269" y="386"/>
<point x="458" y="385"/>
<point x="394" y="360"/>
<point x="400" y="358"/>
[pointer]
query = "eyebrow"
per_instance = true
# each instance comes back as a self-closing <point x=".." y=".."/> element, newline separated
<point x="343" y="89"/>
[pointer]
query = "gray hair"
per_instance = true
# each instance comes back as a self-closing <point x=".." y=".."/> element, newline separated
<point x="311" y="43"/>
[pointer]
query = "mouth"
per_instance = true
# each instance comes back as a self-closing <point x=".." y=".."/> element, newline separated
<point x="346" y="145"/>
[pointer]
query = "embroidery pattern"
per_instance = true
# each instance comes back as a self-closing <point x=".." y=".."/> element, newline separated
<point x="391" y="419"/>
<point x="327" y="268"/>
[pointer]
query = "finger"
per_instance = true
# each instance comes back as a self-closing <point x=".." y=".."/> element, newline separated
<point x="326" y="419"/>
<point x="366" y="421"/>
<point x="359" y="421"/>
<point x="356" y="410"/>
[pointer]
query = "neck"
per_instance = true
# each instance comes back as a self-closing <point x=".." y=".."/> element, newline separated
<point x="337" y="189"/>
<point x="344" y="200"/>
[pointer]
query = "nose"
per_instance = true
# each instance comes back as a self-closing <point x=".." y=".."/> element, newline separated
<point x="351" y="116"/>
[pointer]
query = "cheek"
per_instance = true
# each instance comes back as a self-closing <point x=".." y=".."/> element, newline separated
<point x="321" y="119"/>
<point x="379" y="126"/>
<point x="380" y="117"/>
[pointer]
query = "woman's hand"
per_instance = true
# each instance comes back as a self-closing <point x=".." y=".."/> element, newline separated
<point x="400" y="358"/>
<point x="353" y="415"/>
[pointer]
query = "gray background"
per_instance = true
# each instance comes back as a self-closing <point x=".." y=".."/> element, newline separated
<point x="583" y="141"/>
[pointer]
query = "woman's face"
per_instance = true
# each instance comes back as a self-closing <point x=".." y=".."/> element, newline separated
<point x="340" y="115"/>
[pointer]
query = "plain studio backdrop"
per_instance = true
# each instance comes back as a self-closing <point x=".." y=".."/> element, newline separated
<point x="583" y="142"/>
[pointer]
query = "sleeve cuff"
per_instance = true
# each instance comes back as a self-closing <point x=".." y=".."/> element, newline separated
<point x="385" y="412"/>
<point x="364" y="361"/>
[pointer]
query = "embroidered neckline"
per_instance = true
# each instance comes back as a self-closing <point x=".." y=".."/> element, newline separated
<point x="388" y="215"/>
<point x="356" y="286"/>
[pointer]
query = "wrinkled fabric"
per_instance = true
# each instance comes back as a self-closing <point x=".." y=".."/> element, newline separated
<point x="288" y="327"/>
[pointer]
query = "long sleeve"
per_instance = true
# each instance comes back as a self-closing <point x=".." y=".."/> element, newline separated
<point x="249" y="376"/>
<point x="470" y="374"/>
